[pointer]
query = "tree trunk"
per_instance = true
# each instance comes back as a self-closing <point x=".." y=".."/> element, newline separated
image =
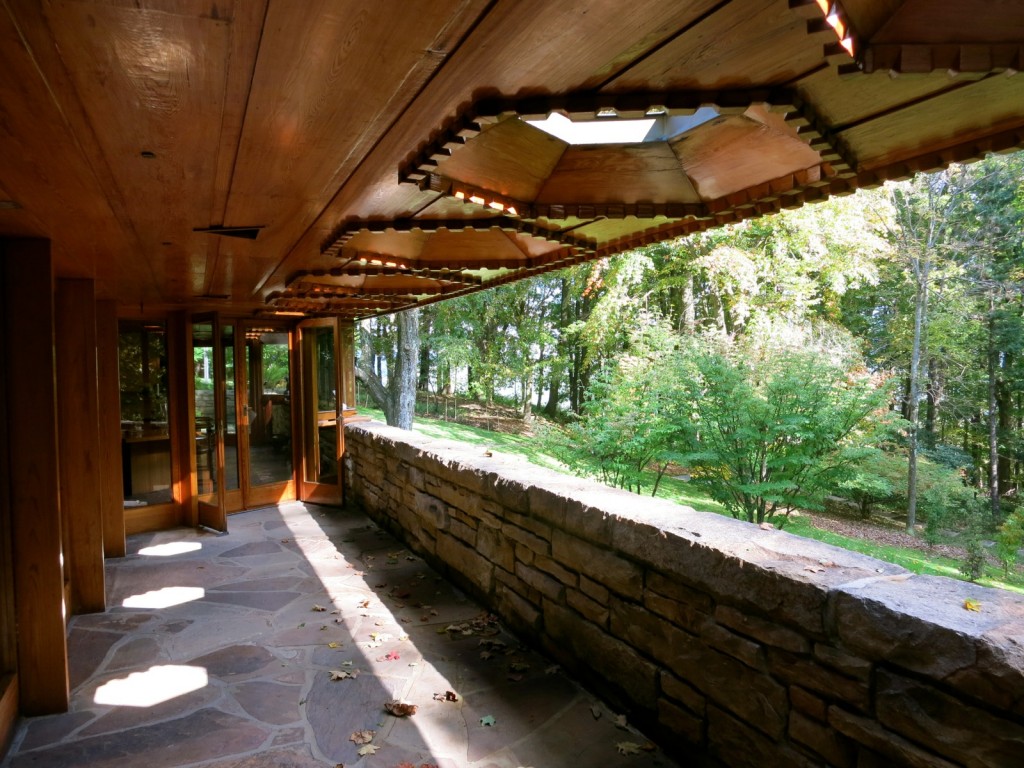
<point x="689" y="314"/>
<point x="403" y="383"/>
<point x="930" y="404"/>
<point x="993" y="415"/>
<point x="920" y="304"/>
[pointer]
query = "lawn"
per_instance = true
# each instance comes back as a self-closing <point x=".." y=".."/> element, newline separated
<point x="681" y="492"/>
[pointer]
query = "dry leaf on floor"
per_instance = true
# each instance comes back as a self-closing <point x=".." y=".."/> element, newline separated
<point x="400" y="708"/>
<point x="620" y="721"/>
<point x="333" y="644"/>
<point x="628" y="748"/>
<point x="369" y="749"/>
<point x="364" y="604"/>
<point x="487" y="720"/>
<point x="972" y="605"/>
<point x="362" y="737"/>
<point x="319" y="608"/>
<point x="596" y="712"/>
<point x="344" y="674"/>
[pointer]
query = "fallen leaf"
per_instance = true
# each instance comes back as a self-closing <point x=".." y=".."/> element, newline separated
<point x="518" y="666"/>
<point x="972" y="605"/>
<point x="362" y="737"/>
<point x="487" y="720"/>
<point x="813" y="568"/>
<point x="333" y="644"/>
<point x="369" y="749"/>
<point x="620" y="721"/>
<point x="628" y="748"/>
<point x="764" y="527"/>
<point x="319" y="608"/>
<point x="400" y="708"/>
<point x="552" y="670"/>
<point x="364" y="604"/>
<point x="596" y="712"/>
<point x="485" y="655"/>
<point x="344" y="674"/>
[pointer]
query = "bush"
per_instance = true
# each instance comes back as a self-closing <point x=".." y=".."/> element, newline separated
<point x="1010" y="539"/>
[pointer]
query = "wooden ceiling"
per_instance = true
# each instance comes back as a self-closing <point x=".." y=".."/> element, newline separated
<point x="378" y="155"/>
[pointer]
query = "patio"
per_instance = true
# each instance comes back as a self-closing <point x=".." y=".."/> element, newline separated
<point x="215" y="652"/>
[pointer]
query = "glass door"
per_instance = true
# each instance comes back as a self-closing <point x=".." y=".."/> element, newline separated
<point x="268" y="451"/>
<point x="214" y="421"/>
<point x="323" y="437"/>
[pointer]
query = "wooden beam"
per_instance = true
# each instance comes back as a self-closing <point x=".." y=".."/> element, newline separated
<point x="110" y="469"/>
<point x="30" y="369"/>
<point x="78" y="429"/>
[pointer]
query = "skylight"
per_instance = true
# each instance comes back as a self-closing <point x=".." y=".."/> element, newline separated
<point x="601" y="131"/>
<point x="608" y="129"/>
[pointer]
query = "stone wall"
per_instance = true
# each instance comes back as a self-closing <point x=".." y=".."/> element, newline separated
<point x="746" y="646"/>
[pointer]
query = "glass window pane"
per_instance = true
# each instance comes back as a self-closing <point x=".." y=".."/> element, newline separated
<point x="231" y="431"/>
<point x="270" y="429"/>
<point x="205" y="407"/>
<point x="145" y="438"/>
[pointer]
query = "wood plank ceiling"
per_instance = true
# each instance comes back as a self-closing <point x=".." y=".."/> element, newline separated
<point x="385" y="154"/>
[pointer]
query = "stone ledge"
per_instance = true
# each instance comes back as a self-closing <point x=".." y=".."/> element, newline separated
<point x="797" y="647"/>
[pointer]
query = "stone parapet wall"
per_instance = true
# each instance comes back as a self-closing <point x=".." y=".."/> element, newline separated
<point x="746" y="646"/>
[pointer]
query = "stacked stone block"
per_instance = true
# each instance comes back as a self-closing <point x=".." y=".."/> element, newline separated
<point x="745" y="646"/>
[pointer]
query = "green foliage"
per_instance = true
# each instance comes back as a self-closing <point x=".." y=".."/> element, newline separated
<point x="777" y="427"/>
<point x="1010" y="539"/>
<point x="632" y="421"/>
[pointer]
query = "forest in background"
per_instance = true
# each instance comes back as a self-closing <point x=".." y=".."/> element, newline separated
<point x="864" y="349"/>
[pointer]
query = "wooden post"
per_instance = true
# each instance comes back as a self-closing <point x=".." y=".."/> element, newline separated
<point x="34" y="487"/>
<point x="111" y="481"/>
<point x="8" y="647"/>
<point x="78" y="428"/>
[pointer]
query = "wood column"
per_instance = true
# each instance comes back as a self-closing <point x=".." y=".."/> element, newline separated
<point x="78" y="423"/>
<point x="111" y="481"/>
<point x="29" y="370"/>
<point x="8" y="647"/>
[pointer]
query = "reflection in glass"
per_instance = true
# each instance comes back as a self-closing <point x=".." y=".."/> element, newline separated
<point x="145" y="439"/>
<point x="270" y="427"/>
<point x="206" y="435"/>
<point x="231" y="432"/>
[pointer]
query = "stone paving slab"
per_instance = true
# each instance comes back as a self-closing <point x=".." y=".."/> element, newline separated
<point x="234" y="668"/>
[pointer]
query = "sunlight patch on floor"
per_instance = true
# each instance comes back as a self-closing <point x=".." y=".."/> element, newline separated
<point x="164" y="598"/>
<point x="154" y="686"/>
<point x="171" y="548"/>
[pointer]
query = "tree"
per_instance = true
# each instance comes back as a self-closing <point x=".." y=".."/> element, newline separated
<point x="397" y="398"/>
<point x="633" y="421"/>
<point x="777" y="427"/>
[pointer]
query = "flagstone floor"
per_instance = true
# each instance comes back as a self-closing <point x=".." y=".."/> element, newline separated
<point x="219" y="651"/>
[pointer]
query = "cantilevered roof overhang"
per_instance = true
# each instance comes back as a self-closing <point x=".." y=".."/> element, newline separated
<point x="382" y="156"/>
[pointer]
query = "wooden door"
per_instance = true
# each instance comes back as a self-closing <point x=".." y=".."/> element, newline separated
<point x="321" y="385"/>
